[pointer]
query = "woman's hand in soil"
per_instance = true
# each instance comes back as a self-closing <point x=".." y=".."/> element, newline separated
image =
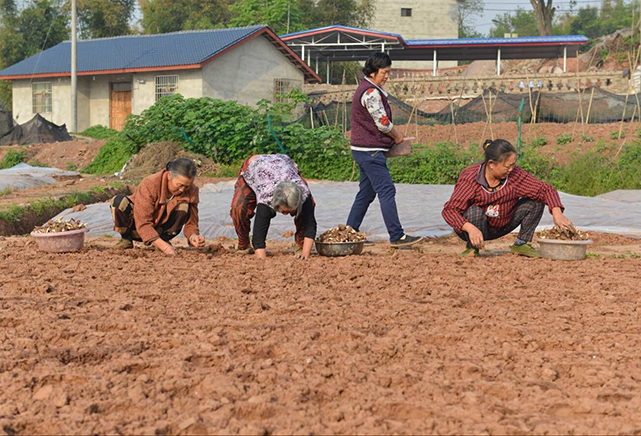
<point x="560" y="220"/>
<point x="308" y="243"/>
<point x="165" y="247"/>
<point x="261" y="253"/>
<point x="475" y="235"/>
<point x="197" y="241"/>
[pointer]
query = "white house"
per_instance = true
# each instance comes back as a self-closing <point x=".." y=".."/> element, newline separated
<point x="127" y="74"/>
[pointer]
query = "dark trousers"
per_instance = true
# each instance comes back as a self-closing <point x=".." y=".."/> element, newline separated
<point x="375" y="179"/>
<point x="243" y="209"/>
<point x="527" y="214"/>
<point x="122" y="211"/>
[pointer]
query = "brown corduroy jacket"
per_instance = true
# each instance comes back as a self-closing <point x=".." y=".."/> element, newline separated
<point x="150" y="199"/>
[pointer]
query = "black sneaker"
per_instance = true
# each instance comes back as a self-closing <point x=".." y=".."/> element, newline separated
<point x="406" y="240"/>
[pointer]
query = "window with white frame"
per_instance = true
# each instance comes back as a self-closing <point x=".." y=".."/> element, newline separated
<point x="41" y="97"/>
<point x="166" y="85"/>
<point x="282" y="88"/>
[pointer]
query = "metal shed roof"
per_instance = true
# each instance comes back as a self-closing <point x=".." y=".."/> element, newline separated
<point x="136" y="53"/>
<point x="342" y="43"/>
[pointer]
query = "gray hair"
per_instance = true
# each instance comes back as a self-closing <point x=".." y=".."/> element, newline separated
<point x="288" y="195"/>
<point x="182" y="167"/>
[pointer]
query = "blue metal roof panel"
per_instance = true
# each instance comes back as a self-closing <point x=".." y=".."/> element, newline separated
<point x="129" y="52"/>
<point x="560" y="39"/>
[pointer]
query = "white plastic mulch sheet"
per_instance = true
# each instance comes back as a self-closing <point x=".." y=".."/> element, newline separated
<point x="419" y="209"/>
<point x="23" y="176"/>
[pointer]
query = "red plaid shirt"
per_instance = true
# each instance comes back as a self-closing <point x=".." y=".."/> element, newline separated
<point x="499" y="205"/>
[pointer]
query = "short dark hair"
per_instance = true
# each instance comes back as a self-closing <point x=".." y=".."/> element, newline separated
<point x="497" y="150"/>
<point x="375" y="62"/>
<point x="182" y="167"/>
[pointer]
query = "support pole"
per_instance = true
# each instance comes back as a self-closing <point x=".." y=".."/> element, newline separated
<point x="434" y="65"/>
<point x="498" y="62"/>
<point x="383" y="47"/>
<point x="74" y="70"/>
<point x="328" y="76"/>
<point x="316" y="64"/>
<point x="302" y="53"/>
<point x="565" y="57"/>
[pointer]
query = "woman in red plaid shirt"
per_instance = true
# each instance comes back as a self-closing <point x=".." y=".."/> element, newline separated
<point x="494" y="197"/>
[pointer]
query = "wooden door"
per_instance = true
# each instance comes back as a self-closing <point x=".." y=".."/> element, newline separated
<point x="119" y="104"/>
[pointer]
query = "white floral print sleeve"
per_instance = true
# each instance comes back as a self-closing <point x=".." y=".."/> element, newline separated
<point x="372" y="101"/>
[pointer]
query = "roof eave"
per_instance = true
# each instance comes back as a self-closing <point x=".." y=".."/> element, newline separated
<point x="310" y="75"/>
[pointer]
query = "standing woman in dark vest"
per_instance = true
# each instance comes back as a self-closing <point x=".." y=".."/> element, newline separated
<point x="373" y="134"/>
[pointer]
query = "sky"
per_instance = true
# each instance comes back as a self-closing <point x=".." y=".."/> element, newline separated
<point x="498" y="7"/>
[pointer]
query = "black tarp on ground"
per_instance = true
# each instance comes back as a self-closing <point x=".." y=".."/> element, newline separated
<point x="6" y="120"/>
<point x="36" y="130"/>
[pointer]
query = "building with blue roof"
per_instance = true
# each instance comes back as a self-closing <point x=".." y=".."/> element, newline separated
<point x="127" y="74"/>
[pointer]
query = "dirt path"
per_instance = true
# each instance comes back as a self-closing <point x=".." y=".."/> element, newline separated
<point x="403" y="342"/>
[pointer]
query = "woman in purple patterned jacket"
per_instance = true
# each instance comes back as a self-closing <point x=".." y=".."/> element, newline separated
<point x="267" y="184"/>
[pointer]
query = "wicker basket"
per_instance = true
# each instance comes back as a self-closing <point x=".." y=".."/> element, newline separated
<point x="563" y="250"/>
<point x="61" y="242"/>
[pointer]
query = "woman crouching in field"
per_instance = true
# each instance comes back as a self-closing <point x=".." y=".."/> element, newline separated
<point x="494" y="197"/>
<point x="160" y="207"/>
<point x="267" y="184"/>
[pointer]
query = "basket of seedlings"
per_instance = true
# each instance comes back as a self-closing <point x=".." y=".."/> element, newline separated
<point x="60" y="236"/>
<point x="340" y="241"/>
<point x="563" y="244"/>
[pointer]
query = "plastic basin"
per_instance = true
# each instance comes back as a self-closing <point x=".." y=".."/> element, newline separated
<point x="339" y="248"/>
<point x="61" y="242"/>
<point x="563" y="250"/>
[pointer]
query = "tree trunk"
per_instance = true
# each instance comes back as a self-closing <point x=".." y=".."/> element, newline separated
<point x="544" y="14"/>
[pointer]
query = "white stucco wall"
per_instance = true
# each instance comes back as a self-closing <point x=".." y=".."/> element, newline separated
<point x="189" y="86"/>
<point x="246" y="74"/>
<point x="60" y="100"/>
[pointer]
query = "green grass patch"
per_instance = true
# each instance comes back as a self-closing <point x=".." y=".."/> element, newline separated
<point x="12" y="158"/>
<point x="112" y="155"/>
<point x="99" y="132"/>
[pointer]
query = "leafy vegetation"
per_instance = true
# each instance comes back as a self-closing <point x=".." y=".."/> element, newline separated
<point x="99" y="132"/>
<point x="228" y="132"/>
<point x="563" y="139"/>
<point x="112" y="156"/>
<point x="12" y="158"/>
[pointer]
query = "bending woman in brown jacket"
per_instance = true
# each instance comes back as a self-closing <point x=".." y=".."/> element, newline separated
<point x="159" y="208"/>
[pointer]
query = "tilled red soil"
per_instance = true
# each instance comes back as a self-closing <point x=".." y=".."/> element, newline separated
<point x="393" y="342"/>
<point x="585" y="138"/>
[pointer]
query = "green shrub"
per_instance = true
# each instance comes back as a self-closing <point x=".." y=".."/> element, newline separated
<point x="615" y="135"/>
<point x="440" y="164"/>
<point x="539" y="141"/>
<point x="563" y="139"/>
<point x="12" y="158"/>
<point x="71" y="166"/>
<point x="99" y="132"/>
<point x="587" y="138"/>
<point x="228" y="132"/>
<point x="112" y="155"/>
